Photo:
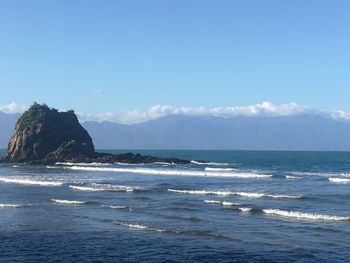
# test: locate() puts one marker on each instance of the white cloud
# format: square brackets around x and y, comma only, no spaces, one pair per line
[258,110]
[154,112]
[340,114]
[13,108]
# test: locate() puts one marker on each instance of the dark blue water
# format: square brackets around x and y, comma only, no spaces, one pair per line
[240,207]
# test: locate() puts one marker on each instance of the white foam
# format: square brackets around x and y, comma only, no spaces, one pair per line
[139,226]
[292,177]
[83,164]
[115,206]
[212,201]
[305,216]
[173,172]
[29,181]
[11,205]
[200,192]
[245,209]
[226,193]
[85,188]
[225,203]
[68,202]
[209,163]
[94,187]
[214,169]
[262,195]
[339,180]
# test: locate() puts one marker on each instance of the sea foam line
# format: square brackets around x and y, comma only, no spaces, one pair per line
[226,193]
[116,206]
[209,163]
[305,216]
[11,205]
[29,181]
[68,202]
[172,172]
[136,226]
[339,180]
[83,164]
[104,187]
[214,169]
[223,203]
[292,177]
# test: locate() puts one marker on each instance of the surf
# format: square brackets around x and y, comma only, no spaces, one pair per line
[173,172]
[304,216]
[29,181]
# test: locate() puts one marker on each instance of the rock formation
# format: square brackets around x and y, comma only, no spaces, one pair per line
[44,135]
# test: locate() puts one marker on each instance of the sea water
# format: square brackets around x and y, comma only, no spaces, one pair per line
[238,206]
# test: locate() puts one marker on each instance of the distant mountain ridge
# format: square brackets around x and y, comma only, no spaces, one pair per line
[7,126]
[301,132]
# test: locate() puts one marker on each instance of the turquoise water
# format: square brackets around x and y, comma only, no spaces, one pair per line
[241,206]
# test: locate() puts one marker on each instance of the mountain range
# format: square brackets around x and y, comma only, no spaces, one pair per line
[300,132]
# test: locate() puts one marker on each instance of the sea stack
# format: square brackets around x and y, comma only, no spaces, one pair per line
[45,135]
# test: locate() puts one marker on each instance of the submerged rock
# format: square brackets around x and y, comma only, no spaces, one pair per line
[44,135]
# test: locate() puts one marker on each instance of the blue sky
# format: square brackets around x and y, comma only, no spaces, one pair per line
[114,56]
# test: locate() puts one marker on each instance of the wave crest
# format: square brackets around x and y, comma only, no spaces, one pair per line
[68,202]
[94,187]
[226,193]
[305,216]
[26,181]
[339,180]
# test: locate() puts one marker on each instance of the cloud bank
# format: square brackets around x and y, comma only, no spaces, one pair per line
[265,109]
[13,108]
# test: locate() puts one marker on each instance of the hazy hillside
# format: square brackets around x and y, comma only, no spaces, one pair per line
[307,132]
[7,126]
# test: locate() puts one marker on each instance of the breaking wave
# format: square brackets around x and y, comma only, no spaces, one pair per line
[29,181]
[12,205]
[292,177]
[213,169]
[173,172]
[305,216]
[339,180]
[245,209]
[136,226]
[121,207]
[224,203]
[104,187]
[224,193]
[68,202]
[83,164]
[209,163]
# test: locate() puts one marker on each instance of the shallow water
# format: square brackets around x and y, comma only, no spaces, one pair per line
[239,207]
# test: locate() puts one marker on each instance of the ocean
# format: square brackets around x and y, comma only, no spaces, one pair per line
[239,206]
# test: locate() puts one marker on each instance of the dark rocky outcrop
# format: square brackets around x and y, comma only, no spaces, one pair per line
[44,135]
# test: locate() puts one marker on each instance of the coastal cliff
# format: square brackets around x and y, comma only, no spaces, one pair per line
[44,135]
